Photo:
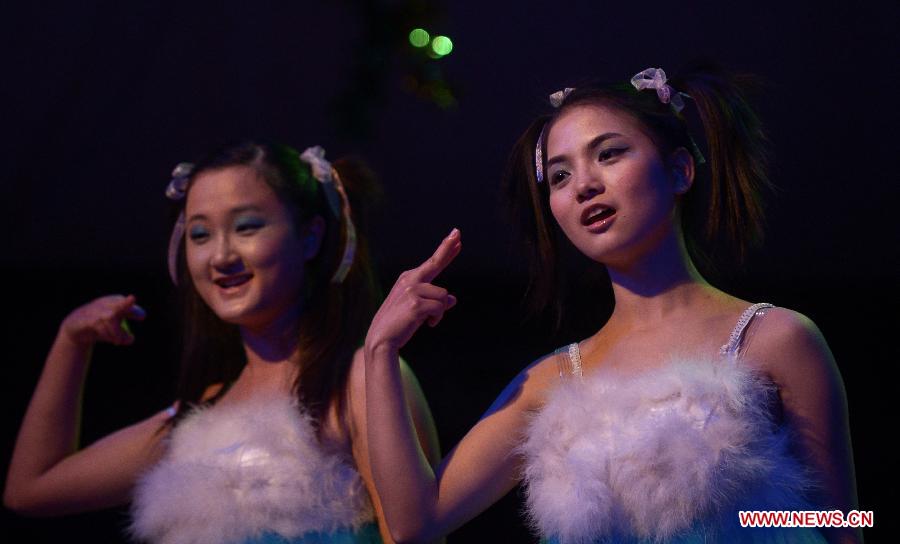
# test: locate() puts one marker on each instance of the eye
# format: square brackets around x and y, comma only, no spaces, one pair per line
[558,177]
[198,234]
[248,225]
[610,153]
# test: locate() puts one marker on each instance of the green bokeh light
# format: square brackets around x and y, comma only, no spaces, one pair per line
[419,37]
[441,45]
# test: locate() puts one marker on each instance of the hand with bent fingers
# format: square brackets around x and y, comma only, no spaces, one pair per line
[414,300]
[102,320]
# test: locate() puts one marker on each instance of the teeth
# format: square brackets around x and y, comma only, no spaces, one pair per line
[596,213]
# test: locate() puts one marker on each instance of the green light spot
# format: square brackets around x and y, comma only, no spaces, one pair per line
[441,45]
[419,37]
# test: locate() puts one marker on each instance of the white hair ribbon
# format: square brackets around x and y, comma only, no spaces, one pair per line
[655,78]
[175,190]
[557,98]
[337,201]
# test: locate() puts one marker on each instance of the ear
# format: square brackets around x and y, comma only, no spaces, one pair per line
[312,237]
[681,166]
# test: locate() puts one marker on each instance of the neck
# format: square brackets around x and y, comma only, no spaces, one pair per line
[272,350]
[656,285]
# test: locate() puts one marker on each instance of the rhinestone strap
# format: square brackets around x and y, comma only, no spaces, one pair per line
[568,361]
[575,357]
[734,341]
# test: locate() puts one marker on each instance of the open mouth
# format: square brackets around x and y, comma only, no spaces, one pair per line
[596,214]
[233,281]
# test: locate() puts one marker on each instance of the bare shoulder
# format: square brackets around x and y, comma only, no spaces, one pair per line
[211,391]
[544,372]
[789,347]
[784,332]
[528,389]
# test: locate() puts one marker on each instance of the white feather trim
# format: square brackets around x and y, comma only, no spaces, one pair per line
[235,472]
[649,456]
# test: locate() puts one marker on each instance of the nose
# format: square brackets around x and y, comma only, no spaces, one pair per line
[224,257]
[588,185]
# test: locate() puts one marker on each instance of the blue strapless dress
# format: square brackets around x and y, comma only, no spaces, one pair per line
[367,534]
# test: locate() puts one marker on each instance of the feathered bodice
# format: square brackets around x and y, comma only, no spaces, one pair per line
[671,454]
[236,472]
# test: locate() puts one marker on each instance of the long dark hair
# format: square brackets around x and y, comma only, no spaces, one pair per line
[722,213]
[335,315]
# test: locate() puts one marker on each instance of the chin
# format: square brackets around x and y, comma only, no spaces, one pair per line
[233,318]
[251,322]
[235,312]
[600,251]
[254,318]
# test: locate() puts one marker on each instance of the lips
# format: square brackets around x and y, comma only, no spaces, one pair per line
[596,215]
[236,280]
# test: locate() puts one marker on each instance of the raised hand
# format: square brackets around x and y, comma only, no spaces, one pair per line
[102,320]
[48,474]
[414,300]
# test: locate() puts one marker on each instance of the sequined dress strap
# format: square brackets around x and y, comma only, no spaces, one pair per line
[732,348]
[568,361]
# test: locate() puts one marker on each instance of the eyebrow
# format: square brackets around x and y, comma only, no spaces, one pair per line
[233,211]
[590,145]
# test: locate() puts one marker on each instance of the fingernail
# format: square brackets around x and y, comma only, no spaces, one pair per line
[453,233]
[451,301]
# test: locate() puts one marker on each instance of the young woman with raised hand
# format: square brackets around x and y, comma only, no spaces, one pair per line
[267,441]
[689,404]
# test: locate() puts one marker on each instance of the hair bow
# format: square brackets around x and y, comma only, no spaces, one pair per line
[557,98]
[178,185]
[655,78]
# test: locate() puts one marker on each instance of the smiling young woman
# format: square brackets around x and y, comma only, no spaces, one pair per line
[267,441]
[245,258]
[689,405]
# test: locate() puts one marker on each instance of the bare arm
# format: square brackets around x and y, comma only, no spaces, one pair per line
[423,428]
[797,358]
[421,504]
[47,473]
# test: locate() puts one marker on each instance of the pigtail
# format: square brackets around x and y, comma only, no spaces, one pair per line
[727,209]
[528,209]
[338,313]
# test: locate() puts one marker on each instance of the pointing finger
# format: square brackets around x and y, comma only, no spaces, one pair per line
[448,249]
[121,305]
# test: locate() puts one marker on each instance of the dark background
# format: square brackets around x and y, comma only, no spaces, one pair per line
[101,99]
